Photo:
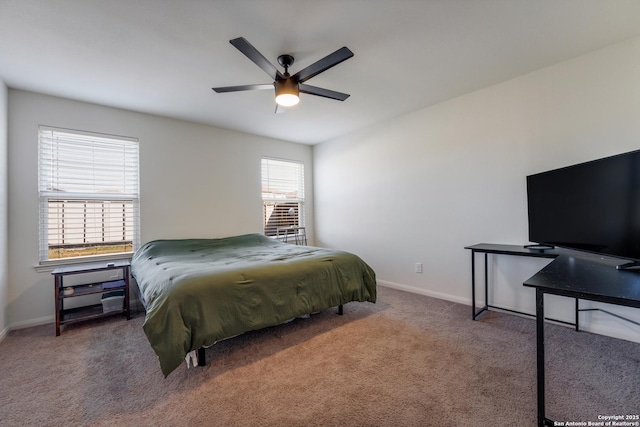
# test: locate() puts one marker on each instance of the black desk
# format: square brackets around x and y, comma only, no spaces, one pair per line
[488,248]
[588,277]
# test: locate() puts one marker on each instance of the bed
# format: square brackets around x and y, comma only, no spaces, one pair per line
[200,291]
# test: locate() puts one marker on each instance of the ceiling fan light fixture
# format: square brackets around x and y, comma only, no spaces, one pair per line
[287,87]
[287,93]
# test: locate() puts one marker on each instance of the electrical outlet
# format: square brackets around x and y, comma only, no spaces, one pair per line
[418,267]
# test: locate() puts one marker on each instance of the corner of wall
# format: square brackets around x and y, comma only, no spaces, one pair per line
[4,275]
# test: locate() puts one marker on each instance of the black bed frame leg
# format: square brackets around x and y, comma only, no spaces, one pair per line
[202,359]
[340,310]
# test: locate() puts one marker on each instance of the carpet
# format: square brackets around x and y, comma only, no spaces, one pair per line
[408,360]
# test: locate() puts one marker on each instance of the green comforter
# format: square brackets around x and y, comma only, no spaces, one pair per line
[199,291]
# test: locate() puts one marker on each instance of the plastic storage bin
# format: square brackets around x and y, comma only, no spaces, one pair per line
[112,301]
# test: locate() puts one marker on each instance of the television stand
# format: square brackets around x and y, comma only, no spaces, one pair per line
[568,275]
[514,250]
[579,278]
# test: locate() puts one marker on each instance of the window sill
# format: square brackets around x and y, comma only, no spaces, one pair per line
[50,265]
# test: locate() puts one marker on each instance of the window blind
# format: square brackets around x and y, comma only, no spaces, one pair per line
[88,187]
[282,194]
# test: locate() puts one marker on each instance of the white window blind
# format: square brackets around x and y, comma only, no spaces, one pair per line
[282,195]
[89,196]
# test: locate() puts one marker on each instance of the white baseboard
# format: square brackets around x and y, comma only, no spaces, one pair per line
[585,326]
[43,321]
[32,322]
[3,333]
[609,331]
[414,290]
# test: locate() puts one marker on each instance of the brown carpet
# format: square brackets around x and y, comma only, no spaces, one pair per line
[408,360]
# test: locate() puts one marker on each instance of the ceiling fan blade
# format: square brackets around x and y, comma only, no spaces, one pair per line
[243,87]
[326,93]
[252,53]
[324,64]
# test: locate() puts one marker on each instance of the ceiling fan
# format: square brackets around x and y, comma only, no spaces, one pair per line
[288,87]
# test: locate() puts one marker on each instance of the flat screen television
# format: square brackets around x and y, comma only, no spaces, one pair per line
[592,206]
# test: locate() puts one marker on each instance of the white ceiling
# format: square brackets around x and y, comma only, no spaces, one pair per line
[163,56]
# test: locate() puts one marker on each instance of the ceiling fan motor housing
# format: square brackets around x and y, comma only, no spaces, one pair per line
[287,91]
[287,86]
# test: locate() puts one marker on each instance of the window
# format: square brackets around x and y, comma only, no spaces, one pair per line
[282,195]
[89,196]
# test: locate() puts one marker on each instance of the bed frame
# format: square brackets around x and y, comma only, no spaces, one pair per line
[202,358]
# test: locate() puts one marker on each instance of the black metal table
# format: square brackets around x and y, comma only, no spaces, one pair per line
[588,277]
[490,248]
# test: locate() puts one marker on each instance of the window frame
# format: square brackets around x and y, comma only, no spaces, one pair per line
[48,173]
[299,215]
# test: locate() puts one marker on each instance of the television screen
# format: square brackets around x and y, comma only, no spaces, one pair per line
[592,206]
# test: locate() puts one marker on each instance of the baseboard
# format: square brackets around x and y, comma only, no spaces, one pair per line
[609,331]
[585,326]
[425,292]
[32,322]
[46,320]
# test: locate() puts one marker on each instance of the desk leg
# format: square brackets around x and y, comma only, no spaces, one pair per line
[127,303]
[56,296]
[473,285]
[474,313]
[540,355]
[486,280]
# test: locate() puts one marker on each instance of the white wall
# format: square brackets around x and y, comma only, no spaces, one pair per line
[196,181]
[4,284]
[421,187]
